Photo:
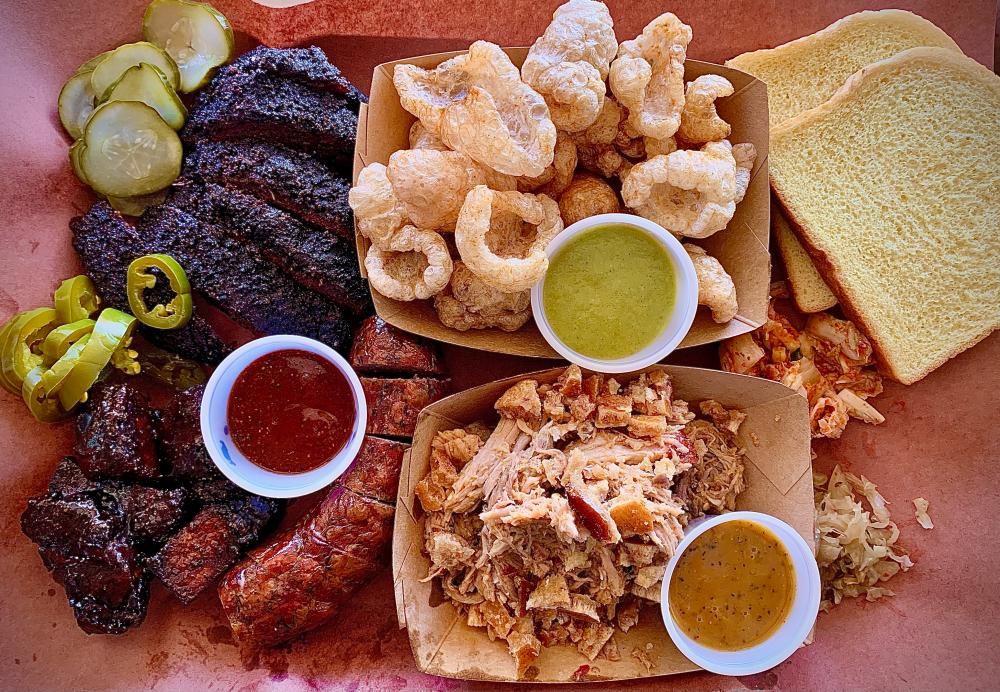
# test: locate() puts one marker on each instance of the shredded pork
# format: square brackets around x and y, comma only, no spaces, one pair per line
[559,525]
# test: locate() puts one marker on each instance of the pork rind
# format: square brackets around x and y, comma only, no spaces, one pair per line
[700,122]
[432,185]
[379,214]
[568,64]
[690,193]
[476,103]
[744,154]
[416,265]
[647,77]
[470,303]
[715,287]
[557,176]
[508,273]
[422,138]
[587,196]
[857,545]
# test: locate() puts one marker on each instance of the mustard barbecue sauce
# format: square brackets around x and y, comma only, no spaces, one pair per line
[733,587]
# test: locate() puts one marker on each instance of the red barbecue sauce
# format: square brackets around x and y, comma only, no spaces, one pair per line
[291,411]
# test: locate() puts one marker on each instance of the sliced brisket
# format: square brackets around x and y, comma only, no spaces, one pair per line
[106,245]
[237,278]
[314,257]
[246,104]
[281,176]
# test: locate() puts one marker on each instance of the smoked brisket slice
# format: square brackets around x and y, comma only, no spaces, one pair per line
[106,245]
[313,257]
[283,177]
[277,109]
[307,65]
[237,278]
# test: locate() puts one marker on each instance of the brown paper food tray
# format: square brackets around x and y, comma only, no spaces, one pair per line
[779,482]
[383,126]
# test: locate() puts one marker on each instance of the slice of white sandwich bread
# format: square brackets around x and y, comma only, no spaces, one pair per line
[893,184]
[809,291]
[805,72]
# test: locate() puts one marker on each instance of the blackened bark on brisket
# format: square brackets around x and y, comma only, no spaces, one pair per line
[281,176]
[106,245]
[277,109]
[307,65]
[313,257]
[237,278]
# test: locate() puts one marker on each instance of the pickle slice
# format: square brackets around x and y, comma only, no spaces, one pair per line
[134,206]
[110,70]
[93,62]
[74,160]
[145,83]
[197,36]
[76,102]
[129,151]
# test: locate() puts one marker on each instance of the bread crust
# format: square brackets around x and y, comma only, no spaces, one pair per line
[783,236]
[826,264]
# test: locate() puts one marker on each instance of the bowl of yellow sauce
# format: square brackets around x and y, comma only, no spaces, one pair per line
[620,293]
[741,593]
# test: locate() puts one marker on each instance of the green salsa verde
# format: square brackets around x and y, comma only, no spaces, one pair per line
[610,291]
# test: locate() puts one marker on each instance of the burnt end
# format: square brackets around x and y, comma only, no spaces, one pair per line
[278,109]
[197,555]
[279,175]
[181,444]
[152,514]
[68,480]
[381,348]
[106,245]
[250,516]
[394,404]
[85,544]
[219,489]
[307,65]
[298,581]
[240,281]
[313,257]
[115,435]
[375,471]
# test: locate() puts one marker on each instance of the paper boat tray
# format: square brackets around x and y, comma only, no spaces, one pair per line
[779,482]
[742,248]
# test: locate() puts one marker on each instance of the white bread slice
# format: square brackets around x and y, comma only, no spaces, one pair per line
[805,72]
[809,290]
[894,187]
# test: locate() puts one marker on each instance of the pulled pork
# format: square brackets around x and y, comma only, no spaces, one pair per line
[559,525]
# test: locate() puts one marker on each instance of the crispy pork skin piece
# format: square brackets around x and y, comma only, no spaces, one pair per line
[381,348]
[84,542]
[237,278]
[395,403]
[281,176]
[304,575]
[115,436]
[197,555]
[239,104]
[314,257]
[307,65]
[106,245]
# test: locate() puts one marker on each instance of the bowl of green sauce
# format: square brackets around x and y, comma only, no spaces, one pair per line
[620,293]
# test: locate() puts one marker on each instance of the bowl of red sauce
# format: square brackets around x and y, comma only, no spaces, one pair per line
[283,416]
